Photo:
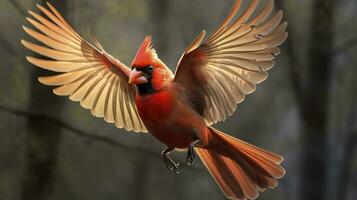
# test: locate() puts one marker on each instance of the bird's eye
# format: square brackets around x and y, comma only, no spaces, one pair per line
[150,68]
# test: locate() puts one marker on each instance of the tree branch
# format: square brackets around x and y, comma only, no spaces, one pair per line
[89,136]
[75,130]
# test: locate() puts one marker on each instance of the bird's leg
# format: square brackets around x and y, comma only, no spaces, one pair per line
[170,164]
[191,153]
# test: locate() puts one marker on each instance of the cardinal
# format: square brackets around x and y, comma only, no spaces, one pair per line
[214,74]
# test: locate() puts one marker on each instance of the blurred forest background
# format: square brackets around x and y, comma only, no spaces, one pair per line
[51,148]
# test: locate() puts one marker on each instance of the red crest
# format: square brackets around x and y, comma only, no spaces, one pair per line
[146,55]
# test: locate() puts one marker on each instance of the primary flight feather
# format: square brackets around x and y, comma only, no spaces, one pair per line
[212,77]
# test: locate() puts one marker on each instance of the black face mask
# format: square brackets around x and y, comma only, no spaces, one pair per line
[146,88]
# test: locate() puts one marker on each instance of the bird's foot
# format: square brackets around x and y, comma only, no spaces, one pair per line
[190,156]
[170,164]
[191,153]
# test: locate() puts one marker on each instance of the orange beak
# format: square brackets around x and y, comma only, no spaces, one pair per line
[137,77]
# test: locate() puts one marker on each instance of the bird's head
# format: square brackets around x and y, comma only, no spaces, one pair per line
[148,72]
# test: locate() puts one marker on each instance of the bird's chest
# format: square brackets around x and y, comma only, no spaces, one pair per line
[163,118]
[155,107]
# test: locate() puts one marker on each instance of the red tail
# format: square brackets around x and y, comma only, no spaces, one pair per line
[240,169]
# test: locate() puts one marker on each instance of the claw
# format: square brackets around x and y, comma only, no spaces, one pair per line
[170,164]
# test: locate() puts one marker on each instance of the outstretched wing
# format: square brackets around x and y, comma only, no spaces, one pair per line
[218,73]
[87,74]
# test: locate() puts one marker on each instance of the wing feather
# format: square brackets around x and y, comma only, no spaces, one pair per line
[97,102]
[232,61]
[87,75]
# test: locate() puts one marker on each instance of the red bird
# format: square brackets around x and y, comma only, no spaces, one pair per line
[212,77]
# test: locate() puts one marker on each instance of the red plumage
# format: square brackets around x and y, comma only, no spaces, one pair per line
[146,54]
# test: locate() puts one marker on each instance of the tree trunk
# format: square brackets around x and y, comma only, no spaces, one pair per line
[315,102]
[43,137]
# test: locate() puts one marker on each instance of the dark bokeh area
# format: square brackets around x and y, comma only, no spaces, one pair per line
[53,149]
